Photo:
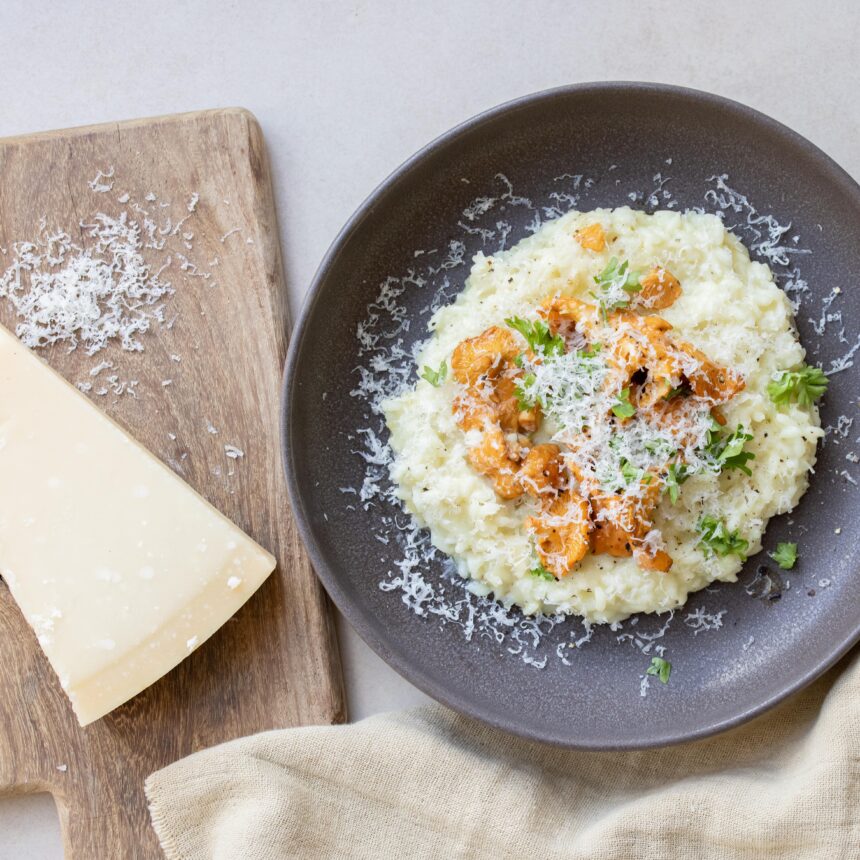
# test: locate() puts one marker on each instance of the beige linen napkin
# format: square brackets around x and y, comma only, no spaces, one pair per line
[428,783]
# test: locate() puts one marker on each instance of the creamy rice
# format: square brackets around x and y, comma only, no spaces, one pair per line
[730,308]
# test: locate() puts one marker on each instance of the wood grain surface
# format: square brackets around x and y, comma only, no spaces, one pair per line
[276,663]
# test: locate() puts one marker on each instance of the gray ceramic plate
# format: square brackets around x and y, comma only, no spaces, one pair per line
[488,182]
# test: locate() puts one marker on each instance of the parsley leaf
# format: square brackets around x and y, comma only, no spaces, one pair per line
[803,386]
[615,280]
[537,335]
[435,377]
[623,408]
[542,573]
[660,447]
[676,474]
[680,391]
[717,538]
[591,351]
[619,274]
[629,472]
[526,397]
[661,668]
[785,555]
[728,451]
[733,455]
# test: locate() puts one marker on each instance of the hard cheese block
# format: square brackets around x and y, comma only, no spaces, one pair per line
[121,568]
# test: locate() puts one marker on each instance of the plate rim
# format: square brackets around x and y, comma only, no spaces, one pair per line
[330,580]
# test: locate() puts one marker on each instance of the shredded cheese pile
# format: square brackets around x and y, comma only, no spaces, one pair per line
[98,288]
[88,295]
[572,388]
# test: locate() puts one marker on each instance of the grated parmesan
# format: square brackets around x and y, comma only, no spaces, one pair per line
[426,582]
[98,288]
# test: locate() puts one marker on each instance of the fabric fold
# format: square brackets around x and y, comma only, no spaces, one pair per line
[429,783]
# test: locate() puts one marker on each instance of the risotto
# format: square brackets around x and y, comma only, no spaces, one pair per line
[608,415]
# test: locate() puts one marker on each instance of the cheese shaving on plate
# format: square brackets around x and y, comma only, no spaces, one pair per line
[427,581]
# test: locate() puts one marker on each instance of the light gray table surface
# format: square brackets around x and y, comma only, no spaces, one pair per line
[345,91]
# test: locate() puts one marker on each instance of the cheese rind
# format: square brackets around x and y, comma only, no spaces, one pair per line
[119,566]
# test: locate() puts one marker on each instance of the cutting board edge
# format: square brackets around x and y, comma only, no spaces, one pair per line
[339,711]
[159,119]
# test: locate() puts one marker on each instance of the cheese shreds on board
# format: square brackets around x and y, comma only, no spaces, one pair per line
[115,562]
[62,292]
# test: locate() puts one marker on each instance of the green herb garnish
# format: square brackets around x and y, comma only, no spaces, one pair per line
[435,377]
[538,336]
[681,391]
[542,573]
[616,276]
[714,439]
[803,386]
[660,446]
[629,472]
[732,455]
[716,538]
[660,668]
[591,351]
[623,408]
[785,555]
[676,474]
[526,397]
[728,451]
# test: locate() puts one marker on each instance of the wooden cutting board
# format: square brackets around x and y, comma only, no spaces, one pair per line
[208,377]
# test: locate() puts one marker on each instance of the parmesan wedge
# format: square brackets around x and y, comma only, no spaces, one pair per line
[120,567]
